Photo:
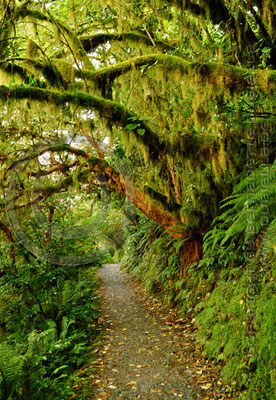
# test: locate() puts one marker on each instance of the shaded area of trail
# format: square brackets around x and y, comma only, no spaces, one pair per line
[143,357]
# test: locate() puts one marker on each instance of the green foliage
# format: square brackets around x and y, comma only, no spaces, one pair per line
[142,257]
[239,330]
[242,301]
[249,212]
[174,88]
[231,292]
[57,309]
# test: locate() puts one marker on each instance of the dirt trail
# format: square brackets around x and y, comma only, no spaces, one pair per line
[144,357]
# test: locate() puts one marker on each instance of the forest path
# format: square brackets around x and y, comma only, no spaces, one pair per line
[144,355]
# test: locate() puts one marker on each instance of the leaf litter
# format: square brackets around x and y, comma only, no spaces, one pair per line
[147,351]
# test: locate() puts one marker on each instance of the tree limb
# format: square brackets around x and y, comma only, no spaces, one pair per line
[91,42]
[110,110]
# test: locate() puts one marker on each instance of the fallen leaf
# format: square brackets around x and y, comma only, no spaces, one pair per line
[131,383]
[112,387]
[207,386]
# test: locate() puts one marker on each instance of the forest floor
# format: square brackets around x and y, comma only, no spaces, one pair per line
[147,352]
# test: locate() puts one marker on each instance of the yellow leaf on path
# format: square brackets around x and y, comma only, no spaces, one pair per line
[131,383]
[207,386]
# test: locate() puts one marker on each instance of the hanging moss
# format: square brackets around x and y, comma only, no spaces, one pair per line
[222,156]
[32,50]
[221,75]
[110,110]
[66,70]
[5,77]
[216,168]
[14,70]
[91,42]
[62,32]
[153,196]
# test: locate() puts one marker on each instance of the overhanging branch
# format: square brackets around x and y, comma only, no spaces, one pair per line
[91,42]
[116,182]
[110,110]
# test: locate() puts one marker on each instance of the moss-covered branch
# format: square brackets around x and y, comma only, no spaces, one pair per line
[56,168]
[161,200]
[12,68]
[33,65]
[91,42]
[110,110]
[70,37]
[116,181]
[220,75]
[219,13]
[36,152]
[215,73]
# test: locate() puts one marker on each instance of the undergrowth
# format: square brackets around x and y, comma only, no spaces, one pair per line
[230,292]
[48,326]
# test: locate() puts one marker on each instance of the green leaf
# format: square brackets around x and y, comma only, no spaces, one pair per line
[59,368]
[131,127]
[141,131]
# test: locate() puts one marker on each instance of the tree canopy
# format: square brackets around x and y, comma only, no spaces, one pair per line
[152,99]
[145,126]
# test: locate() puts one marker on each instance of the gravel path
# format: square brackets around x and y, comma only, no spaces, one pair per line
[142,357]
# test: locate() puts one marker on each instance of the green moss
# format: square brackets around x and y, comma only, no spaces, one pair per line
[161,200]
[72,40]
[113,112]
[91,42]
[221,75]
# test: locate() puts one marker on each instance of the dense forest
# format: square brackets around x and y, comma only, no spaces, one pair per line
[141,131]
